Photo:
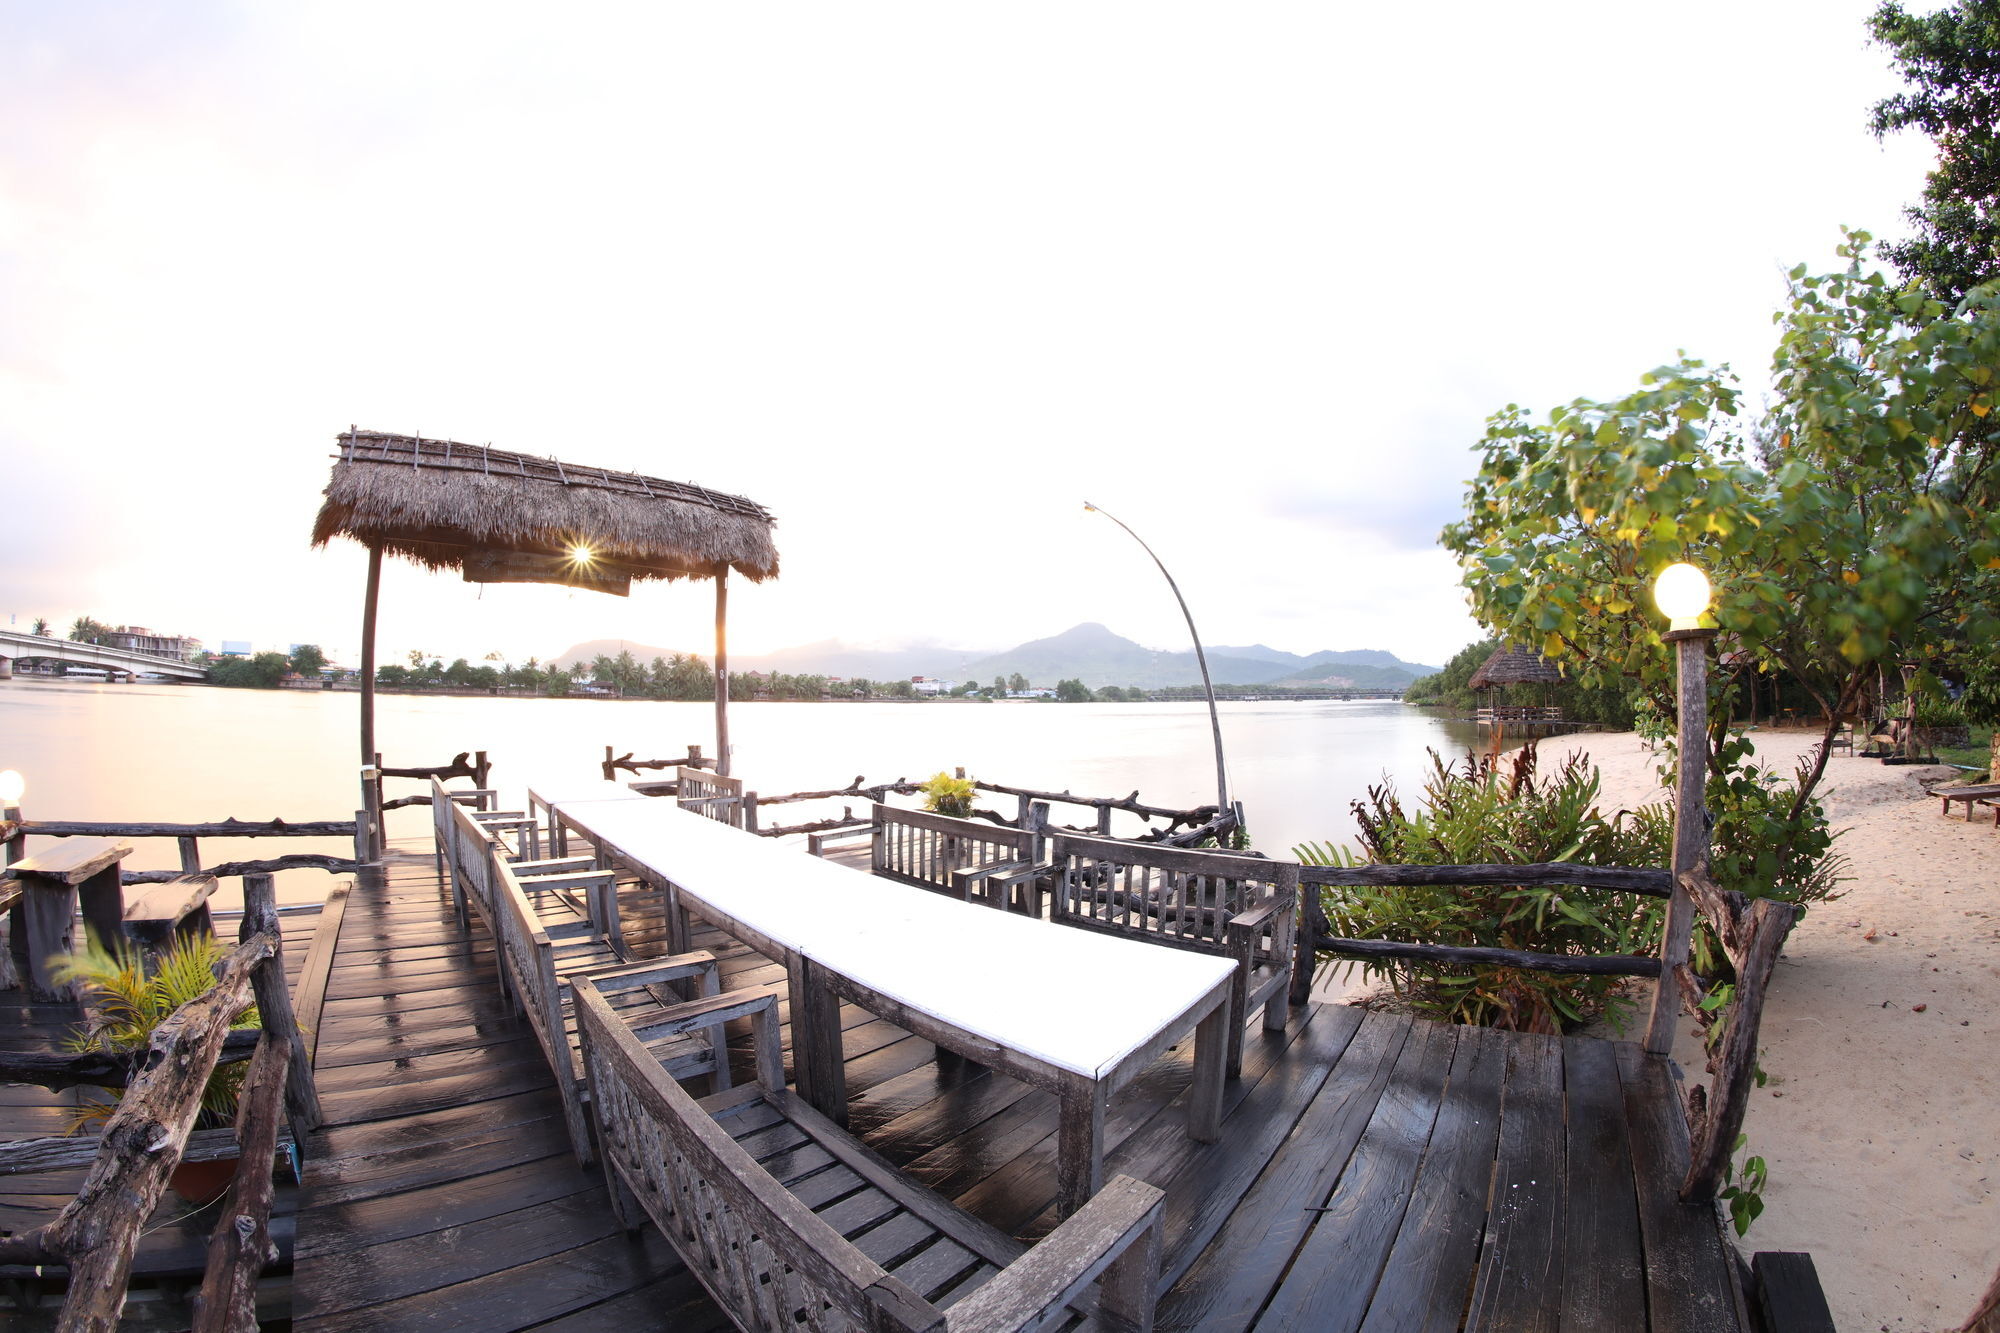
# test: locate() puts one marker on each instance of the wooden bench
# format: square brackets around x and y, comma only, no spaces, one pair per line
[771,1245]
[178,907]
[1989,794]
[966,858]
[720,798]
[532,959]
[1243,908]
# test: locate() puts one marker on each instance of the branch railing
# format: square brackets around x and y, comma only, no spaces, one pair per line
[1315,925]
[97,1233]
[189,836]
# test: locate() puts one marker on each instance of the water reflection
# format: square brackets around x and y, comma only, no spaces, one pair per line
[186,754]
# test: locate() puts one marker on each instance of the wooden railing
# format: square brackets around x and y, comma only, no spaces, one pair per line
[189,836]
[97,1233]
[1318,936]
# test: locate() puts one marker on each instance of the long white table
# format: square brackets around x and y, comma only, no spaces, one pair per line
[551,796]
[1072,1011]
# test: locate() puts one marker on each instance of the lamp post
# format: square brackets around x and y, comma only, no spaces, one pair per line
[1201,659]
[1682,593]
[13,847]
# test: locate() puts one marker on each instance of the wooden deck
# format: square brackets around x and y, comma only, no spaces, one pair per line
[1375,1173]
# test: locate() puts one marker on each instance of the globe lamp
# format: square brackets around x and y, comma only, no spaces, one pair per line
[1682,594]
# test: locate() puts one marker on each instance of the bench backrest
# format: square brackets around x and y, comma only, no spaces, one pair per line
[528,957]
[1166,894]
[710,794]
[468,851]
[766,1258]
[920,848]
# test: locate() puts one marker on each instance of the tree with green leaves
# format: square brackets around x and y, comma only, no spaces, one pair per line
[1017,682]
[1951,61]
[41,629]
[307,659]
[1072,692]
[86,630]
[1850,526]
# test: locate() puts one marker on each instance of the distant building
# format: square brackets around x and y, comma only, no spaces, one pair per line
[235,648]
[930,685]
[139,639]
[1034,692]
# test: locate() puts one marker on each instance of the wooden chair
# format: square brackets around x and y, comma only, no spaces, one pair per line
[769,1239]
[966,858]
[1241,907]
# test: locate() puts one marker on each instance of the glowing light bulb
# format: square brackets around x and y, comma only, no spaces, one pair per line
[12,784]
[1682,593]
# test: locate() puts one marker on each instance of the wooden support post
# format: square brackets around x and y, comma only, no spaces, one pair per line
[609,769]
[482,770]
[190,855]
[102,899]
[1690,828]
[750,812]
[369,602]
[722,670]
[371,838]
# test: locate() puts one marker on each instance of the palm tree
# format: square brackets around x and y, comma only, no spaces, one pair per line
[86,630]
[41,628]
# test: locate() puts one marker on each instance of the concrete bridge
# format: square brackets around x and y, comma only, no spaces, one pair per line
[118,661]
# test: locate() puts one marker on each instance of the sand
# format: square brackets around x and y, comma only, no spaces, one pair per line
[1881,1118]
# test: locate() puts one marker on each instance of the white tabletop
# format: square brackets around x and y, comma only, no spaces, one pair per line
[1073,998]
[562,791]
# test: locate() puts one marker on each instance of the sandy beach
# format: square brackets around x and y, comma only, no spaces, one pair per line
[1881,1118]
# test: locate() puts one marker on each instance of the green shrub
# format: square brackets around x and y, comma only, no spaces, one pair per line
[1478,812]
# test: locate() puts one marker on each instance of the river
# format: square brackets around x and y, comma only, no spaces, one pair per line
[185,754]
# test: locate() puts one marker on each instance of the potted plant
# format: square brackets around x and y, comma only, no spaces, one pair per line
[947,795]
[126,1004]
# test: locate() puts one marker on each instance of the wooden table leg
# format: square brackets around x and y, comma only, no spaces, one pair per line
[1211,1059]
[1080,1145]
[816,1056]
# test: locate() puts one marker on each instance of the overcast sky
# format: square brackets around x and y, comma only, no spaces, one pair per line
[921,278]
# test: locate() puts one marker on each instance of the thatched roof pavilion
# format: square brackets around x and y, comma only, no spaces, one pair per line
[501,517]
[1511,666]
[447,505]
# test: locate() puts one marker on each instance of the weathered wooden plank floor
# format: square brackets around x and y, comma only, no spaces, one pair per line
[1375,1173]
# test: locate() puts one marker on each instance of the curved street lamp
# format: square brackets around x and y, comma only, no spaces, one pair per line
[1201,659]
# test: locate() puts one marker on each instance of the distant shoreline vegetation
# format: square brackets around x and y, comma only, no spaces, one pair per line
[688,678]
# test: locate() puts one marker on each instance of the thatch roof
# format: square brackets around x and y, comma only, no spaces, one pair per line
[446,505]
[1510,666]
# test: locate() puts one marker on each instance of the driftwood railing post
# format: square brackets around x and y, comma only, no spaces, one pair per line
[274,1004]
[1690,829]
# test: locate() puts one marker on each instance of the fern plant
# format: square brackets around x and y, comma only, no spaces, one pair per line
[1482,812]
[129,1003]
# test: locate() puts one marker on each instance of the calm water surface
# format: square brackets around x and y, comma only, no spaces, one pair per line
[182,754]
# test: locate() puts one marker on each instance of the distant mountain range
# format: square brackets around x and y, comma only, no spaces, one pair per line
[1088,652]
